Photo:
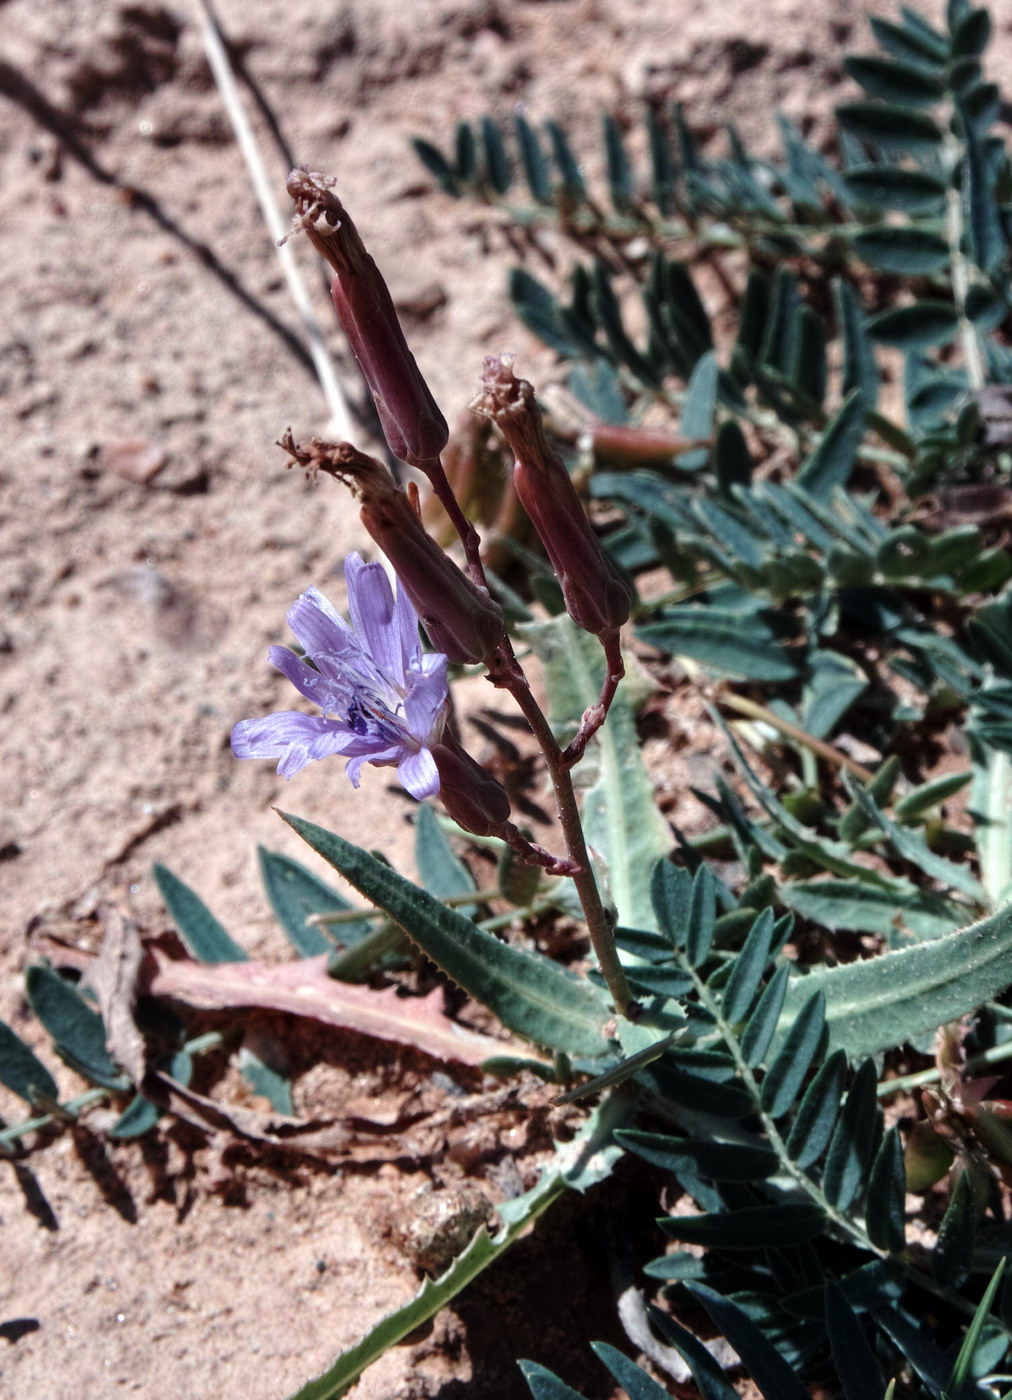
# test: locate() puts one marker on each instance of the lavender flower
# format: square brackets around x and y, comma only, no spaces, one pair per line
[384,701]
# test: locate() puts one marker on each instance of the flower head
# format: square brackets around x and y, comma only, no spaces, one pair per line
[383,700]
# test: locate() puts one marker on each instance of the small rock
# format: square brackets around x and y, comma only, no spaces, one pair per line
[135,459]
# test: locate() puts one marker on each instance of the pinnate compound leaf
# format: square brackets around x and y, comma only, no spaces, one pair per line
[295,894]
[203,935]
[752,1227]
[22,1071]
[857,1369]
[917,326]
[794,1059]
[78,1032]
[886,1196]
[635,1381]
[530,994]
[854,1141]
[776,1379]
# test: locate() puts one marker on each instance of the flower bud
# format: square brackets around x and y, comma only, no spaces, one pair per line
[473,798]
[461,620]
[412,423]
[596,597]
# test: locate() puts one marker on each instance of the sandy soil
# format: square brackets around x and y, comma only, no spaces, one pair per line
[151,543]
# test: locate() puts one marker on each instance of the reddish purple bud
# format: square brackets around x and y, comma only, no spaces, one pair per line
[412,423]
[473,798]
[461,620]
[596,597]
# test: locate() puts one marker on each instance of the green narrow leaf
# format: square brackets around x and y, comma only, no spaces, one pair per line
[695,1092]
[608,313]
[854,1140]
[440,871]
[762,1024]
[748,969]
[530,994]
[295,894]
[857,1370]
[702,915]
[22,1071]
[436,164]
[566,163]
[706,1372]
[860,372]
[544,1384]
[834,682]
[980,205]
[909,84]
[883,1213]
[532,158]
[953,1254]
[908,191]
[732,461]
[833,460]
[620,176]
[620,816]
[914,44]
[890,126]
[465,154]
[138,1118]
[204,936]
[963,1367]
[972,34]
[754,314]
[816,1117]
[780,342]
[78,1032]
[914,1344]
[266,1080]
[845,904]
[774,1376]
[930,794]
[718,1161]
[751,1227]
[723,641]
[698,410]
[911,252]
[811,373]
[540,313]
[912,846]
[663,175]
[794,1059]
[637,1384]
[496,161]
[917,326]
[671,891]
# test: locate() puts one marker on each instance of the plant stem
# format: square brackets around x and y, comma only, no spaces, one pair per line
[996,1055]
[751,710]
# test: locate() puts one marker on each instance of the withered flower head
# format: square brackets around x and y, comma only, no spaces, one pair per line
[462,621]
[596,597]
[412,423]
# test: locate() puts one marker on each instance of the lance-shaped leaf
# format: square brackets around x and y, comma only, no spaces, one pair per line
[836,904]
[752,1227]
[296,894]
[749,966]
[775,1377]
[909,191]
[22,1071]
[441,872]
[634,1381]
[886,1195]
[910,252]
[203,935]
[953,1254]
[725,642]
[917,326]
[530,994]
[78,1032]
[856,1367]
[855,1140]
[719,1161]
[546,1385]
[787,1072]
[833,460]
[890,126]
[909,84]
[816,1117]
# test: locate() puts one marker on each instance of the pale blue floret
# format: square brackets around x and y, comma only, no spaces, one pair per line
[383,700]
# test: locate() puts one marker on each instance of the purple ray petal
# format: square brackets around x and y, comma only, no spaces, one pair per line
[418,775]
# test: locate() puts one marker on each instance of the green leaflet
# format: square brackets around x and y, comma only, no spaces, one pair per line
[530,994]
[22,1071]
[885,1001]
[203,935]
[582,1163]
[620,819]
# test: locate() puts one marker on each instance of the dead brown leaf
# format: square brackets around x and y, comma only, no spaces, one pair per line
[304,988]
[113,976]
